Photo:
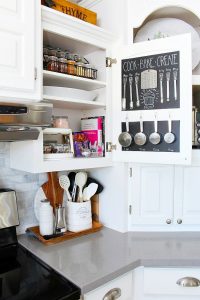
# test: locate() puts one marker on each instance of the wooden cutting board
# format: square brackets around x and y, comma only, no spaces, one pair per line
[53,190]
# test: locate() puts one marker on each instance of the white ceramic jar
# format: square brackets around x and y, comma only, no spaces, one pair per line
[79,216]
[46,218]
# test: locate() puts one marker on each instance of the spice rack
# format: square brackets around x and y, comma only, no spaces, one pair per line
[62,61]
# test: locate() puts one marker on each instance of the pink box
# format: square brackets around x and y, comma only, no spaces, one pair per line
[93,127]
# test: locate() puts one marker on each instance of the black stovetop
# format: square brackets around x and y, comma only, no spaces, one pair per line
[25,277]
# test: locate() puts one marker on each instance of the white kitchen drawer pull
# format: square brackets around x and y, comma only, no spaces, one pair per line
[188,282]
[112,294]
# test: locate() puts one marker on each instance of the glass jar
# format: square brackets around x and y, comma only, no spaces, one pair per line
[45,57]
[76,57]
[52,64]
[71,70]
[66,53]
[61,122]
[60,53]
[80,69]
[62,65]
[94,73]
[52,52]
[88,71]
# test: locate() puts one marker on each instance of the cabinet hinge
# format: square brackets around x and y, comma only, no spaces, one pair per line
[130,172]
[110,147]
[130,209]
[110,61]
[35,73]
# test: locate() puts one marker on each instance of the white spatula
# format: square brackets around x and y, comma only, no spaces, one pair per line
[89,191]
[80,180]
[65,184]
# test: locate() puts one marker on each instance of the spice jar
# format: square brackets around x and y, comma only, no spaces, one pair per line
[62,65]
[52,64]
[88,71]
[60,53]
[94,73]
[80,69]
[60,122]
[52,52]
[71,67]
[45,57]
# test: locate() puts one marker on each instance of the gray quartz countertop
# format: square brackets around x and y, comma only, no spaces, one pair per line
[93,260]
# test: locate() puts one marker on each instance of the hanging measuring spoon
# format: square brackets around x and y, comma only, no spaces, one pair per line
[155,137]
[169,137]
[125,138]
[140,138]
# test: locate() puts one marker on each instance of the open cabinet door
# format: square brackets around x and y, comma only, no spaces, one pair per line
[152,101]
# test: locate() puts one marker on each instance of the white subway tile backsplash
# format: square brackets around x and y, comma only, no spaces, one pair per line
[25,184]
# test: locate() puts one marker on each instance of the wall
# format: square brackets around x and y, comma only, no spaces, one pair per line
[25,185]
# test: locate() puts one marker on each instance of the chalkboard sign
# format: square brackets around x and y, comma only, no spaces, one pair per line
[151,82]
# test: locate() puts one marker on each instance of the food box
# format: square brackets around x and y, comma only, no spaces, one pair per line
[73,10]
[93,128]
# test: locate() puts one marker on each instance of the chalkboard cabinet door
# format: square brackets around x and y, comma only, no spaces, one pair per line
[152,92]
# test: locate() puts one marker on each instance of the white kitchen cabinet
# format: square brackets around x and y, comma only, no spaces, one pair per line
[162,283]
[138,13]
[94,43]
[186,202]
[58,34]
[119,288]
[164,198]
[146,57]
[20,51]
[151,195]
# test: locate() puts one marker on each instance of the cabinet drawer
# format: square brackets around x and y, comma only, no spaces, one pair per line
[162,281]
[124,283]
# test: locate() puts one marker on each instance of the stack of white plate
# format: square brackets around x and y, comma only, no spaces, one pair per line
[165,27]
[69,93]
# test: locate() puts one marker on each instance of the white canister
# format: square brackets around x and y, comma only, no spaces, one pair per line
[79,216]
[46,218]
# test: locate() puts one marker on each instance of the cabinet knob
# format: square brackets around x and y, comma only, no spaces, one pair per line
[168,221]
[188,282]
[179,221]
[112,294]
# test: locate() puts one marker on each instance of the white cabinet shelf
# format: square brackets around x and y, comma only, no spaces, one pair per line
[65,80]
[30,158]
[75,164]
[67,103]
[64,25]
